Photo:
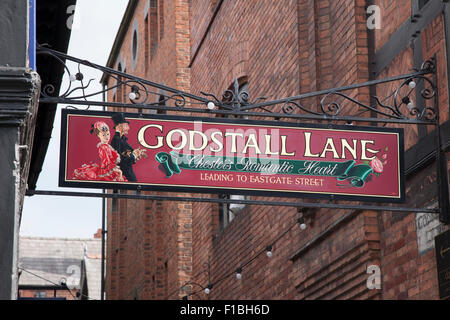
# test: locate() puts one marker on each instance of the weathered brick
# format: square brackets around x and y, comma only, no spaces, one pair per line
[281,49]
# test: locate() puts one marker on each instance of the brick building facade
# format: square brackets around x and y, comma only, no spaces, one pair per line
[277,49]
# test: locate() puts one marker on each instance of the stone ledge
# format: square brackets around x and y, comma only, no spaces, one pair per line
[19,93]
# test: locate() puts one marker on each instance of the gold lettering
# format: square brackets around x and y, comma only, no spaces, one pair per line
[283,147]
[233,140]
[345,145]
[254,144]
[192,140]
[141,136]
[268,146]
[329,147]
[308,146]
[183,139]
[364,148]
[216,141]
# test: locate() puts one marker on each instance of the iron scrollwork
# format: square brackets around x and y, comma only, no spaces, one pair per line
[398,106]
[234,99]
[334,104]
[411,99]
[141,93]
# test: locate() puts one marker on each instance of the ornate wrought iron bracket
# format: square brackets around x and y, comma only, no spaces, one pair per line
[337,104]
[340,104]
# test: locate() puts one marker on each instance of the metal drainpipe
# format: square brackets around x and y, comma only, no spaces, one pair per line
[102,296]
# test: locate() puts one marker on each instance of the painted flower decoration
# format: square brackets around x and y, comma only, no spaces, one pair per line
[100,125]
[377,165]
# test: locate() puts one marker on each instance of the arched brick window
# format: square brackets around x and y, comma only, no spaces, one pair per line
[227,212]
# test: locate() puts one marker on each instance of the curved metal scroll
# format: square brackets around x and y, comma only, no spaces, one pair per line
[335,104]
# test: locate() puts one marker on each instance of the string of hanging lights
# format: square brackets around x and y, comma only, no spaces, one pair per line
[238,272]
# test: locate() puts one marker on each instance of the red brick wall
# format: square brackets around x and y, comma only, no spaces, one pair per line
[333,258]
[301,51]
[407,273]
[239,42]
[148,243]
[329,260]
[281,49]
[433,38]
[393,15]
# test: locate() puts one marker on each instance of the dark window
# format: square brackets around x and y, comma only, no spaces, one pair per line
[40,294]
[146,44]
[119,93]
[161,19]
[153,27]
[124,91]
[135,44]
[162,102]
[166,279]
[153,287]
[223,212]
[135,294]
[228,211]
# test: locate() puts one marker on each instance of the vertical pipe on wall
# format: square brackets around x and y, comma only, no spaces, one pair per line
[32,35]
[371,67]
[417,47]
[102,293]
[441,164]
[444,202]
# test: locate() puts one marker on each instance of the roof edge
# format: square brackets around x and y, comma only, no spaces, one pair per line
[57,238]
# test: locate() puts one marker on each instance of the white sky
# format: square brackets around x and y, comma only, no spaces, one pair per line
[95,26]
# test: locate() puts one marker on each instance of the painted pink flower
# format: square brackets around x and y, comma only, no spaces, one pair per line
[377,165]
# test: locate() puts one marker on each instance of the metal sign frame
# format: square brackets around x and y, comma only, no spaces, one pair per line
[335,105]
[163,183]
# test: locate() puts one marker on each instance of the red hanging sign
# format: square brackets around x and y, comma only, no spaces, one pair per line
[216,155]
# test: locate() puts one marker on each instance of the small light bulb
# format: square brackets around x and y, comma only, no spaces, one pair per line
[211,105]
[410,105]
[72,78]
[207,291]
[412,84]
[132,95]
[269,251]
[301,222]
[239,273]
